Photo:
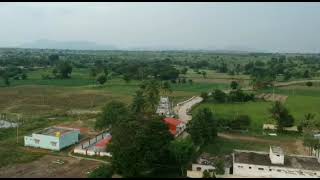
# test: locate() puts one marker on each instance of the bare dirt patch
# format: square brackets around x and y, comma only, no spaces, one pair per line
[47,167]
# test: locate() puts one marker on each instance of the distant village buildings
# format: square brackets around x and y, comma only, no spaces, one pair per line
[275,164]
[165,107]
[259,164]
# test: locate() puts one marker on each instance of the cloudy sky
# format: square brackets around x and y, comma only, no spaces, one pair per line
[280,27]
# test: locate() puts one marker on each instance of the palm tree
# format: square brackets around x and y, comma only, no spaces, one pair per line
[138,104]
[166,88]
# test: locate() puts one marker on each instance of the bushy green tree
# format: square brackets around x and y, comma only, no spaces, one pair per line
[101,79]
[104,171]
[112,113]
[140,145]
[202,127]
[182,151]
[281,114]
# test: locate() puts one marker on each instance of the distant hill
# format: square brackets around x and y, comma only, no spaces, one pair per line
[72,45]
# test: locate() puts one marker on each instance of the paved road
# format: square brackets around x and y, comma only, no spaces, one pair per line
[183,108]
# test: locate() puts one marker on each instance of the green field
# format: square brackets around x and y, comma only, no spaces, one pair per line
[300,102]
[219,146]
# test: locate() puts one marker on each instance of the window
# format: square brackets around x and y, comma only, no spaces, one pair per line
[240,166]
[249,167]
[278,170]
[37,141]
[270,169]
[54,144]
[278,155]
[198,168]
[261,169]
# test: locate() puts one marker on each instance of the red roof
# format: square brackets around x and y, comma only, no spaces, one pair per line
[172,121]
[104,142]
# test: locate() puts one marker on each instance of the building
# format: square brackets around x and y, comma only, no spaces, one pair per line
[96,146]
[176,126]
[275,164]
[102,145]
[53,138]
[206,162]
[164,108]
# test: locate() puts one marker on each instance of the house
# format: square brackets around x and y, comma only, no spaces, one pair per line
[176,126]
[53,138]
[96,146]
[102,145]
[206,162]
[273,127]
[164,108]
[275,164]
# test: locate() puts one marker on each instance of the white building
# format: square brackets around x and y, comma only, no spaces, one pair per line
[164,107]
[274,164]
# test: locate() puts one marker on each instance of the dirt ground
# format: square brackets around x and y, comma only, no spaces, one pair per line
[46,168]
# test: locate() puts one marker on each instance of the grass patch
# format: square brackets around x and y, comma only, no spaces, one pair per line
[221,146]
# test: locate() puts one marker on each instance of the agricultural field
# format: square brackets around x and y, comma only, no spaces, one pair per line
[301,100]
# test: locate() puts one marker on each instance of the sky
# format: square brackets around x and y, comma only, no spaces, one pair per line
[271,27]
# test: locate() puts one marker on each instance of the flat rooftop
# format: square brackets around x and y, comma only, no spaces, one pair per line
[277,150]
[52,131]
[290,161]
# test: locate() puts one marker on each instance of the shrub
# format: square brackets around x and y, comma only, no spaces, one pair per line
[104,171]
[309,83]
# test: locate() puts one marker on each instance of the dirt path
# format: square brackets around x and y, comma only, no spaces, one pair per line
[46,167]
[244,138]
[183,108]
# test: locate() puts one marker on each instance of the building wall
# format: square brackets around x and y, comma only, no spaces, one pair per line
[52,142]
[69,139]
[45,142]
[241,169]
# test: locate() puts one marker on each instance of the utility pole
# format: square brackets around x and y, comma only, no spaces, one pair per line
[17,124]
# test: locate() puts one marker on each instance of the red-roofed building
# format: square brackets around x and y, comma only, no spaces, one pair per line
[176,126]
[103,144]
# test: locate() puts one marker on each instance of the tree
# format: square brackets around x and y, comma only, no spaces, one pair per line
[24,76]
[126,78]
[309,83]
[104,171]
[182,151]
[184,70]
[151,92]
[241,122]
[204,96]
[219,167]
[101,79]
[140,145]
[138,103]
[307,123]
[64,69]
[306,74]
[112,113]
[281,115]
[53,59]
[93,72]
[204,74]
[219,96]
[234,85]
[202,127]
[206,174]
[166,88]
